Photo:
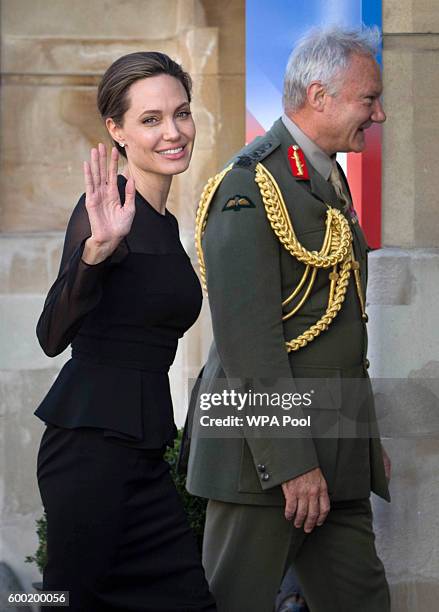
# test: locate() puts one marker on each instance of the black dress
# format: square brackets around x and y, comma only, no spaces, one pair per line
[118,537]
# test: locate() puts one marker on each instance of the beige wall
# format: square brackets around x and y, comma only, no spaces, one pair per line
[50,69]
[403,298]
[411,133]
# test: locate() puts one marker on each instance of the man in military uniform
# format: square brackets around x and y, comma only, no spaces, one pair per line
[285,263]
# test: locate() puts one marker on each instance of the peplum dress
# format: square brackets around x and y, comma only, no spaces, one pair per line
[118,537]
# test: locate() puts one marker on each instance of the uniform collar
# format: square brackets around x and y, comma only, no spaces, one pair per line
[320,160]
[320,187]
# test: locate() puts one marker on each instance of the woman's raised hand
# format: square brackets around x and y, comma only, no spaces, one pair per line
[109,220]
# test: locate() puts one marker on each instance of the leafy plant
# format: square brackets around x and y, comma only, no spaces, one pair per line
[40,556]
[195,507]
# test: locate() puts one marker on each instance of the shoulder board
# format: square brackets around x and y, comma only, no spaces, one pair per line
[255,152]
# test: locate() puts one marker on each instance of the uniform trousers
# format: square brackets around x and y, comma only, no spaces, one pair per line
[118,537]
[247,550]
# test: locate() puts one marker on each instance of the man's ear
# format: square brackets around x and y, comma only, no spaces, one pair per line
[115,131]
[316,95]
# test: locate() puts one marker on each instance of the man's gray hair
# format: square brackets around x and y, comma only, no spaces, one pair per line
[320,56]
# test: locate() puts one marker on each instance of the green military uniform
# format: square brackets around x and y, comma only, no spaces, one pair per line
[250,273]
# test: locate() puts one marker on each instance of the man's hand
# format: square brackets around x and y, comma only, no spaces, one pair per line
[307,497]
[387,464]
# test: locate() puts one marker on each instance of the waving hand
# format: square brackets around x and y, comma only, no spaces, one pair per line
[109,220]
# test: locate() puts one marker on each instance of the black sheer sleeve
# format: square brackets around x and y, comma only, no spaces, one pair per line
[77,289]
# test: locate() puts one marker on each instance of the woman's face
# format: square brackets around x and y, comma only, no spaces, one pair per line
[158,130]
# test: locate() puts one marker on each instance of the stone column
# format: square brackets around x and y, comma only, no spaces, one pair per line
[403,297]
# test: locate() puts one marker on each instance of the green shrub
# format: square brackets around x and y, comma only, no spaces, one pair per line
[40,557]
[195,507]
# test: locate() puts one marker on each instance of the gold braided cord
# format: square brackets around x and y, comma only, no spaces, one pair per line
[201,218]
[298,288]
[331,312]
[333,276]
[280,222]
[323,251]
[356,269]
[336,250]
[305,296]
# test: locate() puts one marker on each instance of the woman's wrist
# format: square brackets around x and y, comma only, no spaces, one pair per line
[96,252]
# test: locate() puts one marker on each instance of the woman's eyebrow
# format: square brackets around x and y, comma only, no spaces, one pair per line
[156,111]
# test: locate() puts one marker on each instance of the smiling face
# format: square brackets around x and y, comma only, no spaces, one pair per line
[355,106]
[157,129]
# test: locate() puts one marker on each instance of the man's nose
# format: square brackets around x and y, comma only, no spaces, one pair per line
[378,115]
[171,131]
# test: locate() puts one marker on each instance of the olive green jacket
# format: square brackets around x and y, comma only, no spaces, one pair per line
[249,274]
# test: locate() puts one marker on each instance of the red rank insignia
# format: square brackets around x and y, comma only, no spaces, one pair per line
[298,163]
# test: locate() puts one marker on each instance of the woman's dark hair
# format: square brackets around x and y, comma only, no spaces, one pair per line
[113,89]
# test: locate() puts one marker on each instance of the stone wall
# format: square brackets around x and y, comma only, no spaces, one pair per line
[411,98]
[50,68]
[403,297]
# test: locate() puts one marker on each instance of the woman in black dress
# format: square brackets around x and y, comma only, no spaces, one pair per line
[118,538]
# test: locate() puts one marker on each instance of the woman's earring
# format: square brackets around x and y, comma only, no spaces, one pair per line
[121,144]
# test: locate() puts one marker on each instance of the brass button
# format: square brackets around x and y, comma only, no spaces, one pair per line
[365,317]
[366,364]
[265,476]
[261,468]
